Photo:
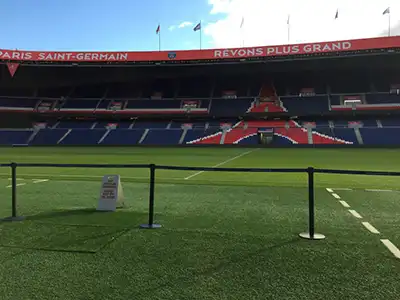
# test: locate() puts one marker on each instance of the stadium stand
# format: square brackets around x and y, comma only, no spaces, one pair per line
[296,102]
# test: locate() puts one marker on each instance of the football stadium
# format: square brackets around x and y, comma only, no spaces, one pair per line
[248,173]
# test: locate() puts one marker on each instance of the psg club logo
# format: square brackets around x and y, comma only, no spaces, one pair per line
[172,55]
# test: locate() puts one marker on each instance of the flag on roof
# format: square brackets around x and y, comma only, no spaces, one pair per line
[387,11]
[198,27]
[288,20]
[337,14]
[158,29]
[242,23]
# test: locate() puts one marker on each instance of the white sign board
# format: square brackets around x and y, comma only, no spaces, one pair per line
[111,194]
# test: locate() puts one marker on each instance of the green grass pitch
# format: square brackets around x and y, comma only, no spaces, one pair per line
[224,235]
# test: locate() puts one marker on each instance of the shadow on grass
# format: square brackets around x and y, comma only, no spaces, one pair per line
[250,255]
[90,217]
[87,244]
[77,230]
[64,213]
[235,259]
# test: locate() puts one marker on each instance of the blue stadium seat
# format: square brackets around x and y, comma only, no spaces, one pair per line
[250,140]
[48,136]
[75,125]
[80,104]
[382,98]
[380,136]
[163,137]
[120,125]
[306,105]
[279,140]
[153,104]
[341,123]
[390,122]
[14,137]
[150,125]
[18,102]
[83,137]
[371,123]
[347,134]
[322,123]
[229,107]
[123,137]
[192,135]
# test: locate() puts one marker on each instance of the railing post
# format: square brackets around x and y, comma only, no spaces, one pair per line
[14,214]
[311,235]
[150,224]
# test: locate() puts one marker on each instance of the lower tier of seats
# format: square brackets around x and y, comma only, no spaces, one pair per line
[175,136]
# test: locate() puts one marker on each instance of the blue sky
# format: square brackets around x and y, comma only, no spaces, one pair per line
[100,24]
[130,25]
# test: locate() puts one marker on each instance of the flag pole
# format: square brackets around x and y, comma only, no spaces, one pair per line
[242,31]
[288,29]
[389,26]
[201,29]
[159,40]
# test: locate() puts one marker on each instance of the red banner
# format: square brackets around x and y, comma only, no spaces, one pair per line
[282,50]
[12,68]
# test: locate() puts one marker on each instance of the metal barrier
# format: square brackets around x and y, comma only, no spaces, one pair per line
[311,234]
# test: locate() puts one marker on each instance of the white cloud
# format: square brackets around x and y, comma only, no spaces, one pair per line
[185,24]
[310,21]
[180,26]
[219,6]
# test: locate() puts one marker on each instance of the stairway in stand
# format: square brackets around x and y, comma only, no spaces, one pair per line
[269,102]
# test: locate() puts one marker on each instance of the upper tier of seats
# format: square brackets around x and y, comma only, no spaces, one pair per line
[18,102]
[382,98]
[222,107]
[306,105]
[229,107]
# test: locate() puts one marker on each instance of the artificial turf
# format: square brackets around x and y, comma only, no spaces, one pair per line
[224,235]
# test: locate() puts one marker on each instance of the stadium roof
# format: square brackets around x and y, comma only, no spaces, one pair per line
[386,43]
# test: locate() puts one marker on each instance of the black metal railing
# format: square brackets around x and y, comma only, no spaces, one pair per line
[310,171]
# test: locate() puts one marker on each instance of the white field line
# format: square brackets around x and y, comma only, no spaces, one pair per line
[343,189]
[329,190]
[336,196]
[16,178]
[39,180]
[370,227]
[18,184]
[392,248]
[33,181]
[377,190]
[344,203]
[222,163]
[355,214]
